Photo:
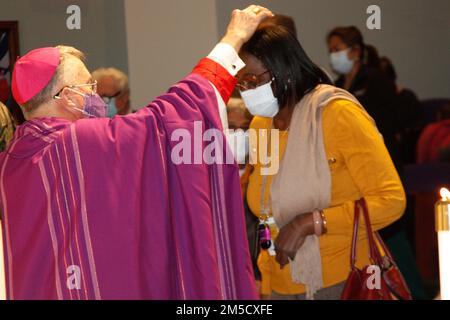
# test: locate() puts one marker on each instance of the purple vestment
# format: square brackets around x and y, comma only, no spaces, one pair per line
[96,209]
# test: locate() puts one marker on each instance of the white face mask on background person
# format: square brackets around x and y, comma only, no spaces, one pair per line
[239,144]
[261,101]
[340,62]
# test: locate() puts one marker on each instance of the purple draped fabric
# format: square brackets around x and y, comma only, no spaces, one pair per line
[96,209]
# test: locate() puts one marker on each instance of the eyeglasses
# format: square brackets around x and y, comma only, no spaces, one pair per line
[251,81]
[76,86]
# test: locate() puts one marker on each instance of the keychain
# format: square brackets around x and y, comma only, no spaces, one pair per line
[267,226]
[265,238]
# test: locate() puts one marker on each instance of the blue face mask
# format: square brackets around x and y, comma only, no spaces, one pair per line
[340,62]
[112,108]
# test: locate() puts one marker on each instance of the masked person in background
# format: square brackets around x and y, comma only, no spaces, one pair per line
[331,155]
[150,228]
[238,123]
[359,72]
[434,141]
[113,87]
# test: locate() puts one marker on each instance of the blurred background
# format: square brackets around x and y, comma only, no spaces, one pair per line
[156,42]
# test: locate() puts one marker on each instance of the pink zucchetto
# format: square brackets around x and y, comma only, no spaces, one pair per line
[33,72]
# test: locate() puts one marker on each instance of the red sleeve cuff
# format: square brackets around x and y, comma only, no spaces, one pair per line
[218,76]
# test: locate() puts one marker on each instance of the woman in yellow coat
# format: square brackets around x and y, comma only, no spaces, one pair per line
[324,152]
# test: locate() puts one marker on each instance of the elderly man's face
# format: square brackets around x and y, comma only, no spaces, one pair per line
[108,87]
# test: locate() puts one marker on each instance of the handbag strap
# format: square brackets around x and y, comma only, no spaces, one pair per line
[354,238]
[383,246]
[374,253]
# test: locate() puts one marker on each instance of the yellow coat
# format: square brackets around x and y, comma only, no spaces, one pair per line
[360,167]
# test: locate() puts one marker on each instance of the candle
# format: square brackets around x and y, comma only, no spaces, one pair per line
[442,211]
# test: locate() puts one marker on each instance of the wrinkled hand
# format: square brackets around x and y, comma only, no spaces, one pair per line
[243,25]
[292,236]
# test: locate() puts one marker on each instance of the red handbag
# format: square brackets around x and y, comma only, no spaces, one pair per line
[360,284]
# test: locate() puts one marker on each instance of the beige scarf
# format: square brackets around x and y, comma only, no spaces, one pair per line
[303,183]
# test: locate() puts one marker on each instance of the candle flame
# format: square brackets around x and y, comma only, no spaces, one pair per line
[445,194]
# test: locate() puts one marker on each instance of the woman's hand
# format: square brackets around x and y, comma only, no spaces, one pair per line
[243,25]
[292,236]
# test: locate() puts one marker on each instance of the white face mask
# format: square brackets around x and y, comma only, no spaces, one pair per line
[261,101]
[239,143]
[340,61]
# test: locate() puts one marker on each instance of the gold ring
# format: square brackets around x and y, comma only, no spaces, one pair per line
[257,10]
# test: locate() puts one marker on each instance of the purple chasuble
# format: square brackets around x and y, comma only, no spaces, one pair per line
[96,209]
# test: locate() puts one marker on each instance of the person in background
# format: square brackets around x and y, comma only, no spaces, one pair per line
[358,67]
[238,123]
[113,87]
[409,115]
[434,141]
[16,111]
[7,127]
[433,147]
[331,154]
[399,235]
[360,72]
